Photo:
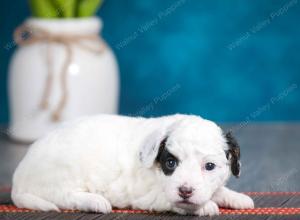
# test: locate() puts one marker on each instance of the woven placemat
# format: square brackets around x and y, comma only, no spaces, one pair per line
[269,205]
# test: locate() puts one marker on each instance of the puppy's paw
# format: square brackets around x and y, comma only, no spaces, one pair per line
[179,211]
[90,202]
[241,201]
[99,205]
[210,208]
[227,198]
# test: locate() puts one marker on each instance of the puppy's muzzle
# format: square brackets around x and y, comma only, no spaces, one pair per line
[185,192]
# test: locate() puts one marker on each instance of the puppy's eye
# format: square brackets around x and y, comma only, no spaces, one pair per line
[171,163]
[210,166]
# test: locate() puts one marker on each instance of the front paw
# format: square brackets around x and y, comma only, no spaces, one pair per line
[210,208]
[242,201]
[179,211]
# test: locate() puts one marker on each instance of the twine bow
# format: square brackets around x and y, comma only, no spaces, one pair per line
[25,35]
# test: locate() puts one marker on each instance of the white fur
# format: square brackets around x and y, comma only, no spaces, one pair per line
[102,161]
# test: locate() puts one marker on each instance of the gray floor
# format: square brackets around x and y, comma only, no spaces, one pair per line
[270,157]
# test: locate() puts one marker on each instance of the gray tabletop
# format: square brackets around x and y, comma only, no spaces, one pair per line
[270,156]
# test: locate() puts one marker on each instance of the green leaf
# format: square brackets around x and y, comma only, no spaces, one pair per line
[43,9]
[87,8]
[66,8]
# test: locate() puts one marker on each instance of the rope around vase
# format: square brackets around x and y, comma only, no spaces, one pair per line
[36,35]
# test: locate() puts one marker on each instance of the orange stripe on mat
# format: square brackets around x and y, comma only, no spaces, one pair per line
[261,211]
[272,193]
[8,189]
[5,189]
[256,211]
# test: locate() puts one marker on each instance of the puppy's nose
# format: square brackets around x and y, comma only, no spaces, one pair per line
[185,192]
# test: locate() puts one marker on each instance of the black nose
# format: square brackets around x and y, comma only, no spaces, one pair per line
[185,192]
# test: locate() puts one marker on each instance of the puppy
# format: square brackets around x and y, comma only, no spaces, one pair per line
[176,163]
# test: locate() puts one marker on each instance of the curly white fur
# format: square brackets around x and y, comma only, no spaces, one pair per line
[102,161]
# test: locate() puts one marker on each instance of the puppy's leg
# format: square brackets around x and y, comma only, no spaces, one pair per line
[210,208]
[30,201]
[88,202]
[227,198]
[179,211]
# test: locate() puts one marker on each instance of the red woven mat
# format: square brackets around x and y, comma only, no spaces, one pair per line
[267,203]
[256,211]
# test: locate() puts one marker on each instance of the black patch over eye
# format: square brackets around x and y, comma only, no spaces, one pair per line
[167,161]
[210,166]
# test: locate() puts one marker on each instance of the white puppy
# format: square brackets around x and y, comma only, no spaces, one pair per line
[174,163]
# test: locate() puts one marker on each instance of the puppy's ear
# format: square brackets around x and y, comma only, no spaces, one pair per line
[233,154]
[150,149]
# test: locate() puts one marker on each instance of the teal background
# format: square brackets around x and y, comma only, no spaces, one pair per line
[224,60]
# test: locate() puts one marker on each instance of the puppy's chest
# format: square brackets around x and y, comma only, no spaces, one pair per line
[132,190]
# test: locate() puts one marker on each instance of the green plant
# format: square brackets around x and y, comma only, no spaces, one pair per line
[64,8]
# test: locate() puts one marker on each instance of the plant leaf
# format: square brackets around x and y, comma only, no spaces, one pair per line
[66,8]
[87,7]
[43,9]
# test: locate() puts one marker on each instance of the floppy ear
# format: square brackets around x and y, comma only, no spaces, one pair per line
[233,154]
[150,149]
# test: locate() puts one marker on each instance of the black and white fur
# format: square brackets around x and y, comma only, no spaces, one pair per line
[177,163]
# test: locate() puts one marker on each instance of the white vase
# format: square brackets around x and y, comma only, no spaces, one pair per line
[92,79]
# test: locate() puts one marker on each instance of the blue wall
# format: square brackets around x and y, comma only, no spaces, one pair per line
[227,61]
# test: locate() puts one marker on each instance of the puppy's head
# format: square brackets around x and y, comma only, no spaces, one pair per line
[192,159]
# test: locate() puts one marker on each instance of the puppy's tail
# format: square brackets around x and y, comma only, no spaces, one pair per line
[30,201]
